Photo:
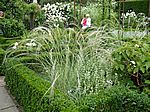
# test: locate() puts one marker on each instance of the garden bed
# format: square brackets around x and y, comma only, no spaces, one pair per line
[32,93]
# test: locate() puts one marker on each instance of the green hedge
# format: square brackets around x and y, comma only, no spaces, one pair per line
[140,6]
[2,52]
[116,99]
[28,89]
[12,27]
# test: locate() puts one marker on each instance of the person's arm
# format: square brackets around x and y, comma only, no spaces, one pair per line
[1,17]
[82,22]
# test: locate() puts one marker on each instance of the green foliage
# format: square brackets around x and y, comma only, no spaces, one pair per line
[12,24]
[133,58]
[139,6]
[64,54]
[32,93]
[2,53]
[32,8]
[18,12]
[12,27]
[13,9]
[115,99]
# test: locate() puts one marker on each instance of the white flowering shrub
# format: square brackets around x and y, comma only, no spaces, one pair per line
[133,20]
[58,14]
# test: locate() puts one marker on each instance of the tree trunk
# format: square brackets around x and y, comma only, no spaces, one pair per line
[103,8]
[74,11]
[149,9]
[32,17]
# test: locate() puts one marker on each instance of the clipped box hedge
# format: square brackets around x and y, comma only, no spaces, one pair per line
[2,53]
[28,89]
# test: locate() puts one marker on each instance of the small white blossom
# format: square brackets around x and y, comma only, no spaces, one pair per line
[33,44]
[29,44]
[16,43]
[133,62]
[109,82]
[14,47]
[136,45]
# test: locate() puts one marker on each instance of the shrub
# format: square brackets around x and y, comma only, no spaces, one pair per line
[29,89]
[12,27]
[132,60]
[115,99]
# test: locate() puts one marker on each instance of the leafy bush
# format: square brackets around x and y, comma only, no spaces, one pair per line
[25,14]
[115,99]
[133,56]
[14,9]
[12,27]
[133,60]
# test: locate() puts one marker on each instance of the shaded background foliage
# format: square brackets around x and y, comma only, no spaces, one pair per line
[137,6]
[20,12]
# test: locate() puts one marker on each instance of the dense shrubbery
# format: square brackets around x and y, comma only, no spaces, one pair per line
[132,60]
[12,27]
[29,90]
[19,16]
[139,6]
[115,99]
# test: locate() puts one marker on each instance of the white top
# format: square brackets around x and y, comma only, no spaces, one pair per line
[35,1]
[88,23]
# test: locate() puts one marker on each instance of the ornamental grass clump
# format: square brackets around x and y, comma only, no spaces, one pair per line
[75,62]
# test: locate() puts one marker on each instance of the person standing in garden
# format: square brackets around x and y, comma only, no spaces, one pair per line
[86,22]
[83,22]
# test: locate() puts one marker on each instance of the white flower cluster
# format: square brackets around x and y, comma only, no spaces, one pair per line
[128,14]
[31,43]
[133,19]
[56,13]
